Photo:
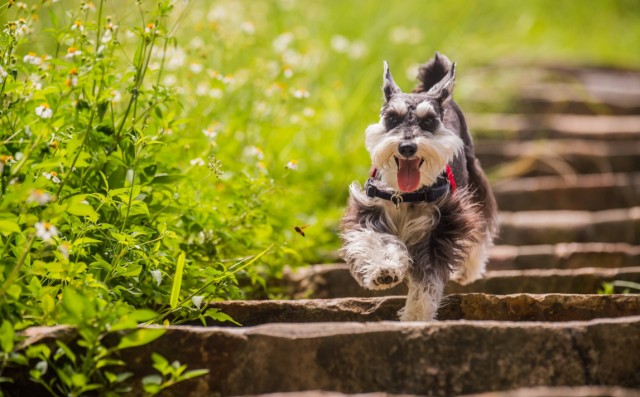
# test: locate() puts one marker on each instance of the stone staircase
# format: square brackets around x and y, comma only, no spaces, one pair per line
[569,192]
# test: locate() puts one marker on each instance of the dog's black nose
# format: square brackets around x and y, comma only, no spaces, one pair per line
[407,149]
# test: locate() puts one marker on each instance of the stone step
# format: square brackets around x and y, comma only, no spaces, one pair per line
[446,358]
[576,391]
[579,99]
[538,126]
[563,256]
[564,226]
[519,307]
[335,281]
[552,157]
[593,192]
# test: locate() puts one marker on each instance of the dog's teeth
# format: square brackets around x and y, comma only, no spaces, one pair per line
[421,162]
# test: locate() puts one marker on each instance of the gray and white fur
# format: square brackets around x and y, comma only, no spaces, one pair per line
[423,244]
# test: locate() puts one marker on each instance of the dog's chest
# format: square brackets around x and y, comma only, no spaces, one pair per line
[411,222]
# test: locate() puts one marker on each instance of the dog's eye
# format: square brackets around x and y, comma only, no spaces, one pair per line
[429,123]
[391,120]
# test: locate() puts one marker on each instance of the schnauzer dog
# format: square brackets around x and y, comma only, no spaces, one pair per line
[427,212]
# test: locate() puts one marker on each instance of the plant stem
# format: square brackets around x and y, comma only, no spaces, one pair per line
[16,269]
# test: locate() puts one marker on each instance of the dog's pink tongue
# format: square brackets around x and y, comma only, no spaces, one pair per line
[408,175]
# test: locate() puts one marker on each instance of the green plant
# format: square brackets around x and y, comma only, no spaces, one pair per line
[170,374]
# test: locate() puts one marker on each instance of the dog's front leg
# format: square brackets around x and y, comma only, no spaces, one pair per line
[376,260]
[423,298]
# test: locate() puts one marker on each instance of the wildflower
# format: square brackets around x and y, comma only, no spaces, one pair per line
[64,248]
[77,25]
[215,166]
[300,93]
[157,276]
[22,28]
[308,112]
[7,159]
[88,6]
[287,73]
[248,27]
[39,196]
[197,162]
[46,231]
[357,50]
[340,43]
[196,67]
[212,131]
[149,29]
[44,111]
[72,52]
[72,80]
[116,96]
[3,74]
[52,176]
[292,165]
[282,42]
[216,93]
[253,151]
[197,301]
[33,59]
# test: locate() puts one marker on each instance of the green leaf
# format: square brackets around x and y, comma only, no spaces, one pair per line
[76,305]
[67,351]
[7,227]
[6,336]
[139,337]
[194,373]
[177,282]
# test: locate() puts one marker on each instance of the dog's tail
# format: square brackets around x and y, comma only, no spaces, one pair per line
[432,72]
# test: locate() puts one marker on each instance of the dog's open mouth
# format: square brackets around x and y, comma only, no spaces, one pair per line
[408,173]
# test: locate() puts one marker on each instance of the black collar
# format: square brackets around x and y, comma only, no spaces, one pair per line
[427,194]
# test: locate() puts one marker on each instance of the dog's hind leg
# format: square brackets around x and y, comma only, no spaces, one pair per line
[423,299]
[376,260]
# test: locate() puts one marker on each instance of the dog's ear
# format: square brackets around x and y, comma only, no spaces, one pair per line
[389,87]
[443,90]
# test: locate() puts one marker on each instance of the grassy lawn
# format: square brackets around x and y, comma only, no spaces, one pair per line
[157,155]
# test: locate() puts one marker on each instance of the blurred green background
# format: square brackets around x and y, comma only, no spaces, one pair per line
[297,82]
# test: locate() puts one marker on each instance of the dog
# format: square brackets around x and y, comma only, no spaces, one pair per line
[427,213]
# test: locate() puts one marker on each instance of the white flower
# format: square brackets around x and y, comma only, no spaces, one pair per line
[72,52]
[216,93]
[308,112]
[157,276]
[253,151]
[292,165]
[197,301]
[65,248]
[39,196]
[3,74]
[197,161]
[357,50]
[288,73]
[340,43]
[116,96]
[300,93]
[33,59]
[150,28]
[44,111]
[282,42]
[202,89]
[77,25]
[52,176]
[46,231]
[196,67]
[212,131]
[248,27]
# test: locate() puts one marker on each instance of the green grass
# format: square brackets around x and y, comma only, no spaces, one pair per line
[142,198]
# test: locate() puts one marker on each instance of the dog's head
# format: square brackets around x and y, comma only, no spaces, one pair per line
[410,145]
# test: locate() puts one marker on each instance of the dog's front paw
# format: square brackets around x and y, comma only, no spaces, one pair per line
[383,278]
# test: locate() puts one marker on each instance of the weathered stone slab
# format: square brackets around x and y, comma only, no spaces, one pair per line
[551,227]
[521,307]
[563,156]
[577,391]
[445,358]
[563,256]
[537,126]
[312,282]
[592,192]
[571,281]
